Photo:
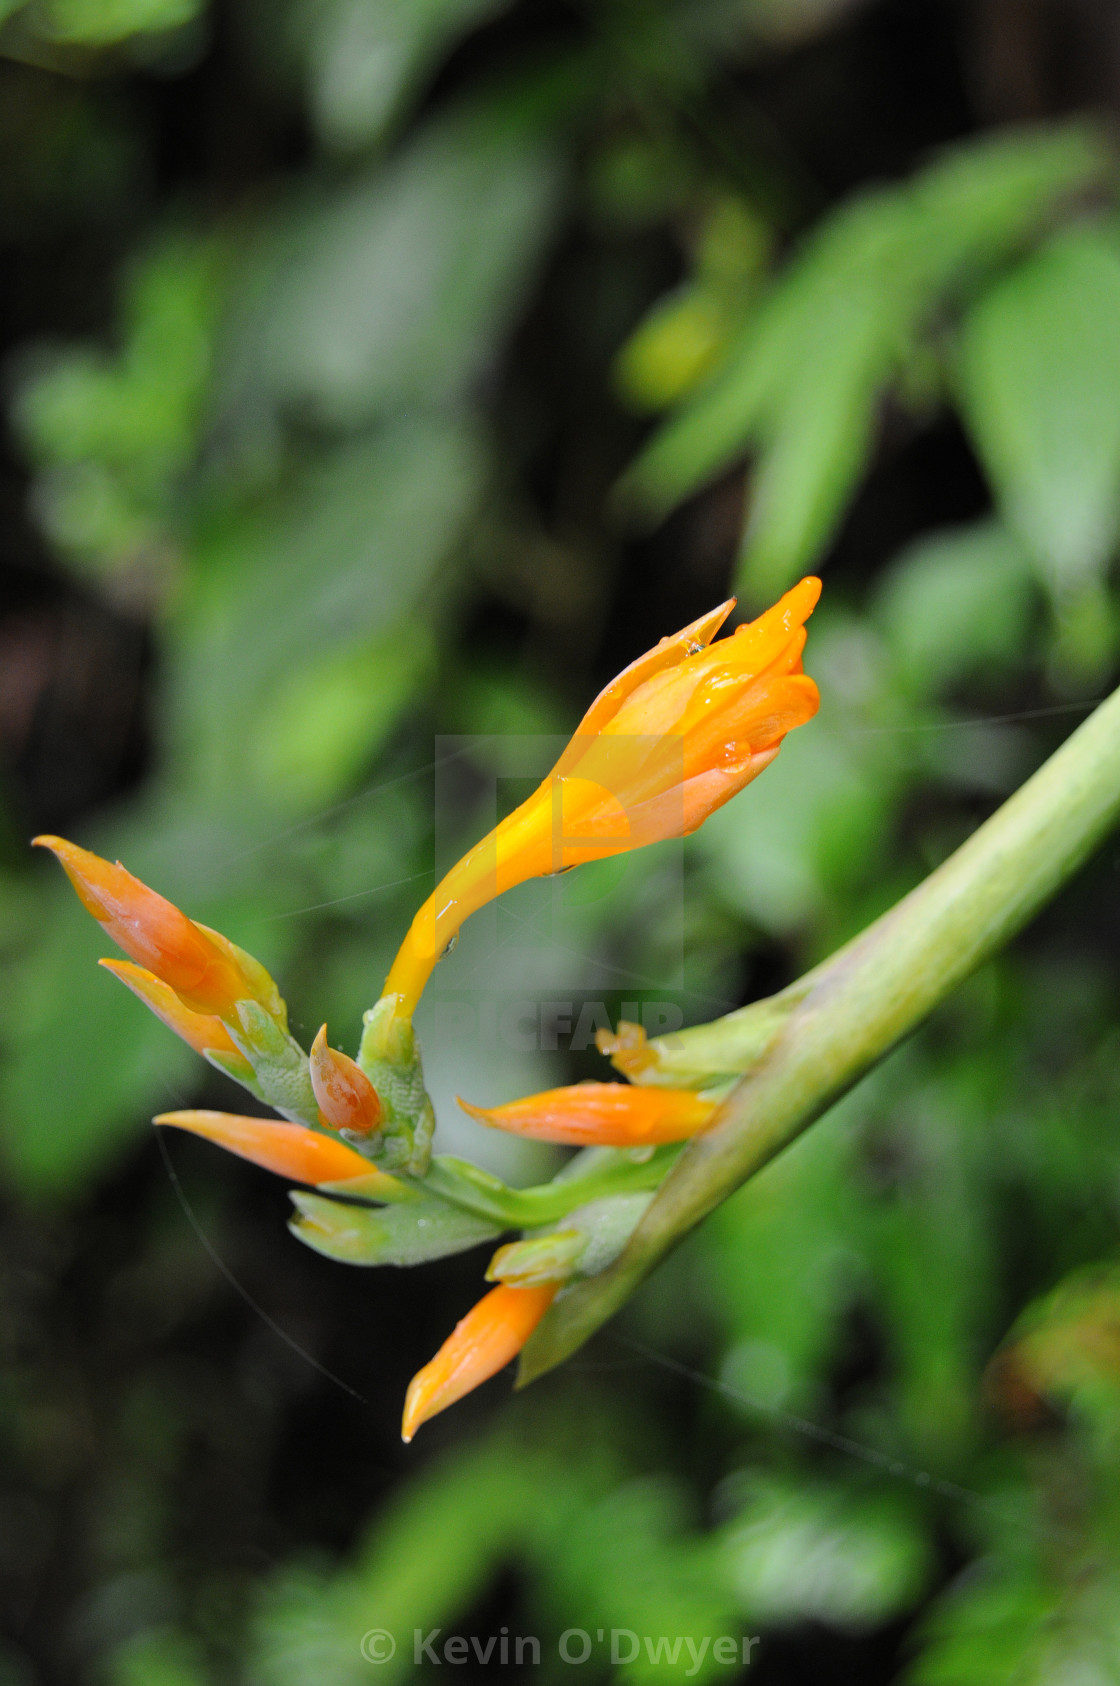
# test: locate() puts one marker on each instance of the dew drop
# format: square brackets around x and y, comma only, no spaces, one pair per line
[452,944]
[693,649]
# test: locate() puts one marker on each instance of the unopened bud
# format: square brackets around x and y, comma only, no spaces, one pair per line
[346,1097]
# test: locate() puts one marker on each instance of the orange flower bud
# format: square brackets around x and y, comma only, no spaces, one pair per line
[204,1032]
[674,737]
[347,1099]
[207,972]
[484,1342]
[602,1115]
[290,1150]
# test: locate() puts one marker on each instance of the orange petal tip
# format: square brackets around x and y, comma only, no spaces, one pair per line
[602,1115]
[288,1150]
[482,1343]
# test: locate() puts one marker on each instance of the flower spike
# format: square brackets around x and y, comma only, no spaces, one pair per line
[290,1150]
[208,973]
[346,1097]
[671,739]
[602,1115]
[484,1342]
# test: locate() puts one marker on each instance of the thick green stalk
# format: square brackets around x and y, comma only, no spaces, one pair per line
[849,1012]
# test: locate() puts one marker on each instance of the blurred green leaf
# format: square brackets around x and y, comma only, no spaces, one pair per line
[160,1658]
[626,1561]
[802,380]
[799,1550]
[783,1261]
[1066,1348]
[113,436]
[310,589]
[102,23]
[328,717]
[1011,1628]
[957,604]
[397,289]
[1039,373]
[366,57]
[422,1565]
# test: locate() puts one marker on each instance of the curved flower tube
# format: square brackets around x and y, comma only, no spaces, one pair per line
[671,739]
[290,1150]
[207,972]
[602,1115]
[481,1344]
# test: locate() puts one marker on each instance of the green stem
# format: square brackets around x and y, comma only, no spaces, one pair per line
[849,1012]
[477,1191]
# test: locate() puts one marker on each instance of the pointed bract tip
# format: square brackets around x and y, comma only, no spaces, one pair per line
[204,1032]
[288,1150]
[202,968]
[482,1343]
[345,1096]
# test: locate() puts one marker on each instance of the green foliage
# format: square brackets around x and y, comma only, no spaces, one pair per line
[801,382]
[366,58]
[395,289]
[94,24]
[113,437]
[836,1554]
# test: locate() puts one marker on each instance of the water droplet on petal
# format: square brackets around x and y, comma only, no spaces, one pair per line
[692,649]
[452,943]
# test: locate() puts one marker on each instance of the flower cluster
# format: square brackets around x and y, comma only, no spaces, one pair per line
[672,738]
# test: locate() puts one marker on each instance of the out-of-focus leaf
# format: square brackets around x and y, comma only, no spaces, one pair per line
[398,289]
[101,23]
[1005,1626]
[685,334]
[794,20]
[112,436]
[626,1562]
[798,1550]
[327,717]
[783,1263]
[801,382]
[159,1658]
[1039,373]
[426,1559]
[365,58]
[957,604]
[1066,1348]
[352,551]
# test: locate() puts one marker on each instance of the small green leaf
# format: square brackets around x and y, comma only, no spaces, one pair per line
[407,1234]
